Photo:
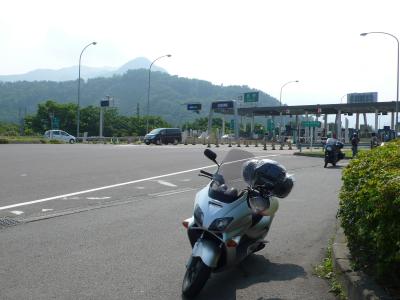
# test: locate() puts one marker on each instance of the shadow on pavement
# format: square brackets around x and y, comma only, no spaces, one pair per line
[254,269]
[336,167]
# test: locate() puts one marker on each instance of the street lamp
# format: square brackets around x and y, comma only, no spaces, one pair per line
[148,91]
[397,81]
[79,89]
[280,104]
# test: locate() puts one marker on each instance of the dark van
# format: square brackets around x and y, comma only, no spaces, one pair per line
[163,136]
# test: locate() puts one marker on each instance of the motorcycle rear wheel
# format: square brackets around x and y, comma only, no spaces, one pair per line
[196,276]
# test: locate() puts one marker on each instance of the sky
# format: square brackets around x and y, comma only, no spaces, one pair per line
[260,43]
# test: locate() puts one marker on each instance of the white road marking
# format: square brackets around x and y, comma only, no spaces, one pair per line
[17,212]
[118,185]
[23,175]
[167,193]
[47,209]
[140,187]
[166,183]
[97,198]
[185,180]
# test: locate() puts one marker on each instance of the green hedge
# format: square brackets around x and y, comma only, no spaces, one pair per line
[370,210]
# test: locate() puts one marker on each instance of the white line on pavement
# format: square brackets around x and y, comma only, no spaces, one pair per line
[17,212]
[117,185]
[167,193]
[166,183]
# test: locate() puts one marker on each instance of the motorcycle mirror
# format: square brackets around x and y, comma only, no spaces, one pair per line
[211,155]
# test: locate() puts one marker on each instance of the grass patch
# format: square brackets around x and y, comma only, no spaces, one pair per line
[325,271]
[23,140]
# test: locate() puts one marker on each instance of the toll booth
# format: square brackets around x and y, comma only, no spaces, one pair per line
[224,107]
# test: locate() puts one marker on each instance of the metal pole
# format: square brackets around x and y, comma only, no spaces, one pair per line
[148,91]
[280,105]
[79,89]
[101,121]
[397,83]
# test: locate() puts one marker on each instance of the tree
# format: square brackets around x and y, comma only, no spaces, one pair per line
[114,123]
[53,115]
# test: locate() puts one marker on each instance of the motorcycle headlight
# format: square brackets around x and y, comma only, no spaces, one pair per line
[328,148]
[220,224]
[198,216]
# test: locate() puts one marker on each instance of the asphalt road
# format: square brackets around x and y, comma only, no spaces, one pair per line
[104,222]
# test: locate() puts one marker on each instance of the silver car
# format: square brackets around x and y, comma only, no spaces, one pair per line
[60,135]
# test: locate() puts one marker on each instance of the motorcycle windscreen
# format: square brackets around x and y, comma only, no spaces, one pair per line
[231,168]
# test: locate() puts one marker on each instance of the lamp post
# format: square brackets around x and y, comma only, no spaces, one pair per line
[397,81]
[148,91]
[79,89]
[280,104]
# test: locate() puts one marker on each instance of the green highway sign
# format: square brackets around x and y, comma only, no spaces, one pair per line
[311,124]
[56,123]
[251,97]
[270,125]
[232,125]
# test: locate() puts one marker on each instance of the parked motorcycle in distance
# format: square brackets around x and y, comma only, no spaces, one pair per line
[333,153]
[231,216]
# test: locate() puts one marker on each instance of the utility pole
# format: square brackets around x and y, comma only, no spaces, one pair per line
[138,110]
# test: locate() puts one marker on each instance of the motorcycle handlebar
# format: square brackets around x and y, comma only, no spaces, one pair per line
[206,173]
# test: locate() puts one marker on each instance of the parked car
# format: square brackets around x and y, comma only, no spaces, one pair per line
[163,136]
[60,135]
[227,137]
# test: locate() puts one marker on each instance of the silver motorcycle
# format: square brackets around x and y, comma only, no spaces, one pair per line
[232,215]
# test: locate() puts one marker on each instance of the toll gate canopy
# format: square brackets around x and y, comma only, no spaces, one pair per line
[343,108]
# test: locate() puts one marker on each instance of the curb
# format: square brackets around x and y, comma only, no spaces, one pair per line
[357,285]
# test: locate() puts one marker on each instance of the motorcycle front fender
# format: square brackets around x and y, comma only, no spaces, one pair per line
[208,251]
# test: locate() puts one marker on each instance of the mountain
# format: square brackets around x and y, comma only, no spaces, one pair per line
[138,63]
[71,73]
[168,96]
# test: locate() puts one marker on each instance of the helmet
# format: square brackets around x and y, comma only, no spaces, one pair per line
[248,170]
[268,174]
[283,189]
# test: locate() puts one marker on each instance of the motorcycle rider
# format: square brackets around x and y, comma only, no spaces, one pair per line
[354,143]
[374,140]
[336,146]
[332,140]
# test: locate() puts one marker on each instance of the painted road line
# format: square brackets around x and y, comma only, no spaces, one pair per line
[97,198]
[119,185]
[172,192]
[47,209]
[166,183]
[17,212]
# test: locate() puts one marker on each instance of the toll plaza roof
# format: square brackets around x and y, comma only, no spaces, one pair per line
[344,108]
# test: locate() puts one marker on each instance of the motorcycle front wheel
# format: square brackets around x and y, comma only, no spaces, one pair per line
[196,276]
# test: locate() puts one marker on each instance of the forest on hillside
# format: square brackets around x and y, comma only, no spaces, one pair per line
[168,95]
